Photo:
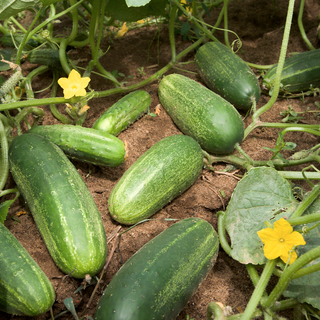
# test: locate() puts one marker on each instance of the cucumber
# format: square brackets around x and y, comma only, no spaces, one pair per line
[160,278]
[124,112]
[9,40]
[162,173]
[85,144]
[228,75]
[61,204]
[46,57]
[202,114]
[300,72]
[24,288]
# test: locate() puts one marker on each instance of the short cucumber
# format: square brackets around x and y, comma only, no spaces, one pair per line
[24,288]
[160,278]
[228,75]
[201,114]
[162,173]
[300,72]
[46,57]
[85,144]
[61,204]
[124,112]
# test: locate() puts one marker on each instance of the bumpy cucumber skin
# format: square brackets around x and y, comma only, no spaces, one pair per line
[61,204]
[46,57]
[299,72]
[160,278]
[85,144]
[24,288]
[202,114]
[162,173]
[124,112]
[228,75]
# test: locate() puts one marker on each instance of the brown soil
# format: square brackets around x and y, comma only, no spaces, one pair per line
[259,24]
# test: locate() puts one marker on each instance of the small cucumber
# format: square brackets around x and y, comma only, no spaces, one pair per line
[160,278]
[202,114]
[46,57]
[85,144]
[24,288]
[166,170]
[228,75]
[124,112]
[299,73]
[61,204]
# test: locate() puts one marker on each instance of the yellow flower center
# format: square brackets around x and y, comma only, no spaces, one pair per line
[281,240]
[74,87]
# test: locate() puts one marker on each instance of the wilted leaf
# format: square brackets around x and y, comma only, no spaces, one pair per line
[262,195]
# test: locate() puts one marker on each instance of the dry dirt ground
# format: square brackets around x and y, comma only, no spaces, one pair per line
[259,25]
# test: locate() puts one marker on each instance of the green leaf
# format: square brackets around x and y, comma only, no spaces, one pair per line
[6,54]
[12,7]
[137,3]
[68,302]
[120,10]
[262,195]
[307,288]
[4,208]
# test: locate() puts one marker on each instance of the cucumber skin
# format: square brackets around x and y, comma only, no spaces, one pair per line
[46,57]
[85,144]
[299,72]
[61,204]
[24,288]
[202,114]
[162,173]
[228,75]
[160,278]
[124,112]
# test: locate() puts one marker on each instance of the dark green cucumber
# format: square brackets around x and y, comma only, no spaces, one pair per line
[124,112]
[9,40]
[300,72]
[166,170]
[61,204]
[160,278]
[46,57]
[228,75]
[202,114]
[24,288]
[85,144]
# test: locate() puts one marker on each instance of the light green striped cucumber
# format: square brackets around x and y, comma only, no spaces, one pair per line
[85,144]
[61,204]
[124,112]
[162,173]
[160,278]
[24,288]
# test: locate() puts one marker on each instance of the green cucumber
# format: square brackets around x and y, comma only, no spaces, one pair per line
[202,114]
[160,278]
[61,204]
[300,72]
[124,112]
[9,40]
[228,75]
[24,288]
[46,57]
[85,144]
[162,173]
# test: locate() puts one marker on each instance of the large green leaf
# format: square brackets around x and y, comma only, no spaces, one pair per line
[120,10]
[262,195]
[9,8]
[307,288]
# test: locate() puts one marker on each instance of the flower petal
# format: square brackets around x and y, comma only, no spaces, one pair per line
[68,93]
[293,257]
[74,76]
[271,251]
[80,92]
[83,82]
[63,82]
[283,228]
[295,239]
[267,234]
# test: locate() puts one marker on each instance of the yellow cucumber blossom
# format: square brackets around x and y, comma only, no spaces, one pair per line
[74,85]
[281,241]
[188,8]
[122,31]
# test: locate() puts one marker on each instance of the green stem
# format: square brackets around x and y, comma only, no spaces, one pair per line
[214,311]
[305,271]
[173,13]
[259,290]
[283,51]
[308,218]
[8,191]
[225,23]
[37,111]
[4,169]
[297,175]
[301,28]
[222,235]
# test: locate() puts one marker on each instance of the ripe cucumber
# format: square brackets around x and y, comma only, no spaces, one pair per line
[202,114]
[124,112]
[61,204]
[24,288]
[160,278]
[46,57]
[228,75]
[300,71]
[85,144]
[166,170]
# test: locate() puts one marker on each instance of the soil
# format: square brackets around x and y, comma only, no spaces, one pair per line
[259,24]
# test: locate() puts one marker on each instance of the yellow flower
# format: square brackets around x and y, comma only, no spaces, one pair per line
[188,8]
[74,85]
[140,21]
[280,241]
[122,31]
